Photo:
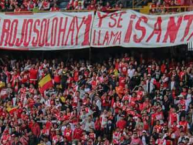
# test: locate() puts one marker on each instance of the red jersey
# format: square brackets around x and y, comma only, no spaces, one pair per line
[54,9]
[76,75]
[124,69]
[77,133]
[68,134]
[25,3]
[122,81]
[33,74]
[121,124]
[184,124]
[57,78]
[173,117]
[46,5]
[91,7]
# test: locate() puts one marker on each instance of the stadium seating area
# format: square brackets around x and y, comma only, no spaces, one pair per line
[156,6]
[169,6]
[56,5]
[119,96]
[127,99]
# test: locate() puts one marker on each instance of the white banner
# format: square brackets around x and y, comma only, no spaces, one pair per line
[46,31]
[132,29]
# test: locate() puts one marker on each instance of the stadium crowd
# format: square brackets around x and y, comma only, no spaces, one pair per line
[170,6]
[124,100]
[57,5]
[157,6]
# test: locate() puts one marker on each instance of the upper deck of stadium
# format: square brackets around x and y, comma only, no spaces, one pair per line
[143,6]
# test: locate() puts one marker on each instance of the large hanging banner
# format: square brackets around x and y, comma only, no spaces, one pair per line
[61,30]
[46,31]
[133,29]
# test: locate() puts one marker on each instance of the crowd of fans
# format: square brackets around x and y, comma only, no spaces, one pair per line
[157,6]
[170,6]
[124,100]
[57,5]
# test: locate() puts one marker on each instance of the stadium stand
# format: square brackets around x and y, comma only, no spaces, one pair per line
[155,6]
[96,96]
[121,99]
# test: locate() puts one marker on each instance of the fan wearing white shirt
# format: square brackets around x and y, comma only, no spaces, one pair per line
[130,71]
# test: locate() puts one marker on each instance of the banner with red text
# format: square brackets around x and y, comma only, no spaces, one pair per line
[45,31]
[133,29]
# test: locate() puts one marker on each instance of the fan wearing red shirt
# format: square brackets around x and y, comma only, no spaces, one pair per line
[121,124]
[6,137]
[173,117]
[91,6]
[179,2]
[116,136]
[30,6]
[68,133]
[45,131]
[163,68]
[2,4]
[117,7]
[14,79]
[124,69]
[105,101]
[122,81]
[56,77]
[17,8]
[184,124]
[157,127]
[75,3]
[54,8]
[76,74]
[77,133]
[45,5]
[24,76]
[107,7]
[153,8]
[33,74]
[25,3]
[35,128]
[23,8]
[92,135]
